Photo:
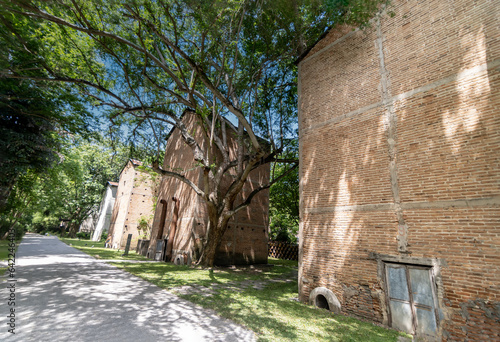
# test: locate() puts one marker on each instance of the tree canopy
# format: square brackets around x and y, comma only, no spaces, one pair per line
[34,113]
[147,61]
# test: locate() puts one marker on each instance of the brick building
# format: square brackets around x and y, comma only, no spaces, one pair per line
[184,220]
[400,170]
[134,199]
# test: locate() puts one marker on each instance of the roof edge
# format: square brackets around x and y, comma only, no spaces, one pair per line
[229,123]
[306,52]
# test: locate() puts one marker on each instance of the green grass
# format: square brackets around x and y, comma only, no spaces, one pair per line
[4,248]
[4,253]
[273,313]
[290,263]
[99,252]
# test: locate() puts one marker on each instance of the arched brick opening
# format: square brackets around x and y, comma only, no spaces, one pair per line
[321,302]
[323,298]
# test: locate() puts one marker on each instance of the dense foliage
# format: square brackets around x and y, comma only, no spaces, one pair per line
[284,201]
[70,189]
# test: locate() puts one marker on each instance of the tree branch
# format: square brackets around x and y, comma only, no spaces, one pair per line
[180,177]
[248,200]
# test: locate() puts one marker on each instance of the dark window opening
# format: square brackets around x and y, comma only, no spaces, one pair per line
[321,302]
[162,219]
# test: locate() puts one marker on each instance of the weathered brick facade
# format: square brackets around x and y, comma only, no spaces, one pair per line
[400,167]
[245,241]
[134,198]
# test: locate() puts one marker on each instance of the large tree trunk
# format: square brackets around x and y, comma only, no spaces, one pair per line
[216,229]
[213,242]
[219,219]
[173,228]
[73,229]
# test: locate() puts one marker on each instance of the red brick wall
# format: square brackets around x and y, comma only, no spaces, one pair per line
[245,241]
[400,156]
[134,198]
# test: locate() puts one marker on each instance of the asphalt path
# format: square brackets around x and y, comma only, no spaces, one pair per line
[62,294]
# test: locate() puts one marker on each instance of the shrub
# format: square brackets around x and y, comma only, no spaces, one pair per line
[104,236]
[284,227]
[144,226]
[83,235]
[19,232]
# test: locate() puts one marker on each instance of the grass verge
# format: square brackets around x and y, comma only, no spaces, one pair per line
[4,248]
[4,253]
[262,299]
[96,249]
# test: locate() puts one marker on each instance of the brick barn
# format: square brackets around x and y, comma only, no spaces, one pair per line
[399,131]
[134,199]
[181,215]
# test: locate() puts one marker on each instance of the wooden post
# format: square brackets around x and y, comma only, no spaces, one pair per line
[127,246]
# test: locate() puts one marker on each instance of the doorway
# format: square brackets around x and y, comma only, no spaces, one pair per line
[160,242]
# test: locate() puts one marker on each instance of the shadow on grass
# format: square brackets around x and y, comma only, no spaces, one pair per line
[276,317]
[98,251]
[169,276]
[272,312]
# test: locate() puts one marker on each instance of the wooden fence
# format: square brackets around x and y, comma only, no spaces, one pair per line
[283,250]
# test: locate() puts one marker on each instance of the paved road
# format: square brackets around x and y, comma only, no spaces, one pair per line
[63,294]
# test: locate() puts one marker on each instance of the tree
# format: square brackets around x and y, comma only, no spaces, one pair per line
[150,60]
[33,114]
[22,195]
[284,201]
[26,141]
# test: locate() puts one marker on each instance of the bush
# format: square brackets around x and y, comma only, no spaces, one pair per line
[43,229]
[39,229]
[144,226]
[83,235]
[54,229]
[104,236]
[283,227]
[18,232]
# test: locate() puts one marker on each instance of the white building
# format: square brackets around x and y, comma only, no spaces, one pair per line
[105,211]
[88,225]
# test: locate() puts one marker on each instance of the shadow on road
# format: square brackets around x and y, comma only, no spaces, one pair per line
[64,295]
